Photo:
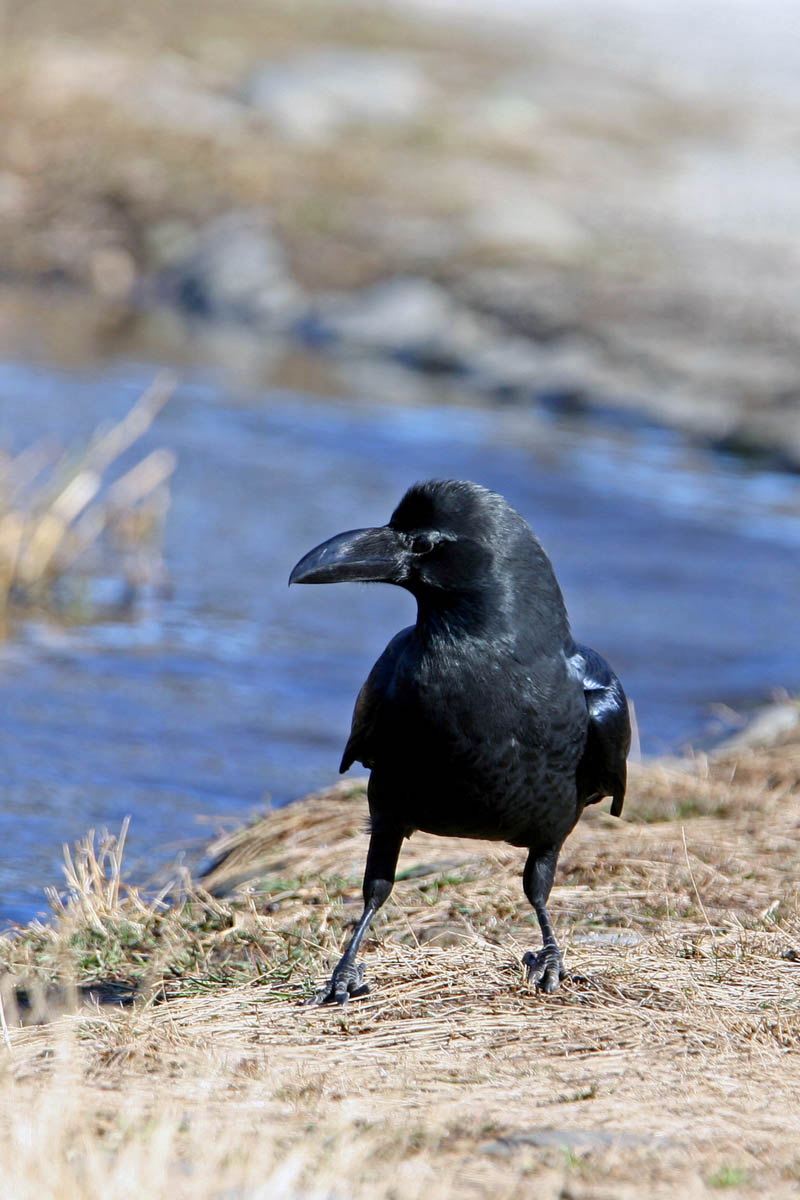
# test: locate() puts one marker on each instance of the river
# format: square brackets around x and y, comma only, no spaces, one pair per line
[679,565]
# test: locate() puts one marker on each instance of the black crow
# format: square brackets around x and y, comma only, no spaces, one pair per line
[484,719]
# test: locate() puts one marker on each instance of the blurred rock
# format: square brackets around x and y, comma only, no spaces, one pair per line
[112,272]
[365,376]
[610,217]
[169,242]
[770,433]
[164,93]
[408,316]
[520,218]
[510,364]
[415,240]
[504,115]
[184,108]
[314,96]
[15,194]
[234,269]
[66,68]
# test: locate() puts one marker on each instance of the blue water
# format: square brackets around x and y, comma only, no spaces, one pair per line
[682,567]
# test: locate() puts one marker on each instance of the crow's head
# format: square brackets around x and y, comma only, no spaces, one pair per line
[457,547]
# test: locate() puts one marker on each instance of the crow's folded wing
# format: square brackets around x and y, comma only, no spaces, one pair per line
[602,770]
[370,704]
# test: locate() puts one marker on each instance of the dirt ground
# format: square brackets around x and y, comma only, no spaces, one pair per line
[668,1064]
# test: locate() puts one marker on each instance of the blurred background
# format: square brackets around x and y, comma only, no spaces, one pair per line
[264,265]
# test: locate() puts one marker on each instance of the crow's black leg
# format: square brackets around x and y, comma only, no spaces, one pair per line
[348,976]
[545,969]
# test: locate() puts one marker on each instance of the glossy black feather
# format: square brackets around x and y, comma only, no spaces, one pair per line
[602,770]
[484,719]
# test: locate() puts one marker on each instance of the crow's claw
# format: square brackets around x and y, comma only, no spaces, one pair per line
[544,969]
[347,980]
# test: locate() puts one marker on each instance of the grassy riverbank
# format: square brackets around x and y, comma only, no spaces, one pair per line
[670,1064]
[615,221]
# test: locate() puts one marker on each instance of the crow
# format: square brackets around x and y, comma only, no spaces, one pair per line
[484,719]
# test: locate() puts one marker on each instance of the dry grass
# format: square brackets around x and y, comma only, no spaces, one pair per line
[57,506]
[670,1065]
[83,99]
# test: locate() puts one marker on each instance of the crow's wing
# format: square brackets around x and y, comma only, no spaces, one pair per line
[362,743]
[602,770]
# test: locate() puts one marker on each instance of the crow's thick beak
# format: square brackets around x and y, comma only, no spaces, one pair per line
[368,555]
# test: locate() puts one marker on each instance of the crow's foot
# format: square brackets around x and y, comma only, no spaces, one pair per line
[544,969]
[347,980]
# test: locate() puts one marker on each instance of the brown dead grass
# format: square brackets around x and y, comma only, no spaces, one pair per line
[58,507]
[98,162]
[670,1065]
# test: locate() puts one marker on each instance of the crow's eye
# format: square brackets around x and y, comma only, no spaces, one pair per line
[422,543]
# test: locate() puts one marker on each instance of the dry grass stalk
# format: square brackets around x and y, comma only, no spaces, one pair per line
[55,506]
[671,1066]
